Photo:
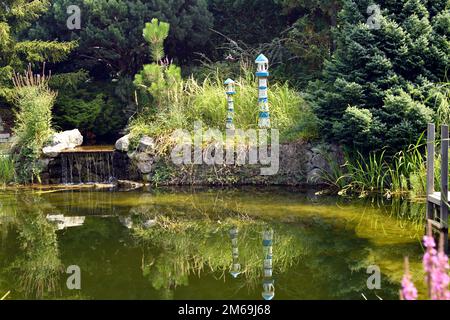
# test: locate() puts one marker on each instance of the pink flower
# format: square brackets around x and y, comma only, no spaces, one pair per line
[439,277]
[409,291]
[429,260]
[436,266]
[428,241]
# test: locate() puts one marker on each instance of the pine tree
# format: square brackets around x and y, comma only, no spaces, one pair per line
[110,39]
[309,37]
[374,90]
[157,81]
[15,52]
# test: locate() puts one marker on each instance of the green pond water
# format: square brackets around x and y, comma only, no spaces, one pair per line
[176,244]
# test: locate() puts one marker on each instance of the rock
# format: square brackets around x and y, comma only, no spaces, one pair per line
[51,152]
[143,161]
[63,222]
[314,176]
[43,163]
[123,143]
[103,185]
[129,185]
[126,222]
[4,137]
[63,140]
[144,167]
[149,223]
[142,157]
[318,161]
[309,166]
[70,138]
[308,155]
[146,144]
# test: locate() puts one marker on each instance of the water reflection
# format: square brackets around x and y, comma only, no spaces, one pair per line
[170,246]
[62,222]
[236,266]
[176,249]
[268,283]
[36,264]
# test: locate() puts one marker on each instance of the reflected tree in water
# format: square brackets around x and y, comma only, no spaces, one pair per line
[37,265]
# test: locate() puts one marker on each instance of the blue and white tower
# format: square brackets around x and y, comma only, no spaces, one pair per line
[230,103]
[268,282]
[262,73]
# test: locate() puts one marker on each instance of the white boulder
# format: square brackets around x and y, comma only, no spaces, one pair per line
[63,140]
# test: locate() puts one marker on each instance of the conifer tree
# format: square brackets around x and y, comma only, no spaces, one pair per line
[16,16]
[110,39]
[374,90]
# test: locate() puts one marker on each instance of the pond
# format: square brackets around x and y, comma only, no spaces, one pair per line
[205,244]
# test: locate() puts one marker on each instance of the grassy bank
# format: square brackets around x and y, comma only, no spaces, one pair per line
[205,101]
[404,173]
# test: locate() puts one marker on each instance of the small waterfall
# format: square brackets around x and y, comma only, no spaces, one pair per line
[87,167]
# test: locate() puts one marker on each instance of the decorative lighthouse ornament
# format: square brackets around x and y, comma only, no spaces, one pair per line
[236,268]
[230,103]
[268,282]
[262,73]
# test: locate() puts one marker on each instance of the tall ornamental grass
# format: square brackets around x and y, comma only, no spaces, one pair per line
[33,125]
[7,170]
[404,172]
[205,101]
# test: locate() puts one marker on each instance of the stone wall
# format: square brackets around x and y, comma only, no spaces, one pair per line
[300,163]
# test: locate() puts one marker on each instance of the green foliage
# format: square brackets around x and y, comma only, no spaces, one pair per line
[155,33]
[359,122]
[33,125]
[294,34]
[38,266]
[69,81]
[92,107]
[232,18]
[110,39]
[384,75]
[15,53]
[439,100]
[158,82]
[192,246]
[98,109]
[404,172]
[7,169]
[309,38]
[367,175]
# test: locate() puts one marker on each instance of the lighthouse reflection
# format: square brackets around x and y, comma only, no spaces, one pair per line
[236,267]
[268,282]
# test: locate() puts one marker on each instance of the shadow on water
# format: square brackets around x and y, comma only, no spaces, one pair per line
[205,244]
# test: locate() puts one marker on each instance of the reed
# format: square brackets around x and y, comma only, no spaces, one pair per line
[7,169]
[402,173]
